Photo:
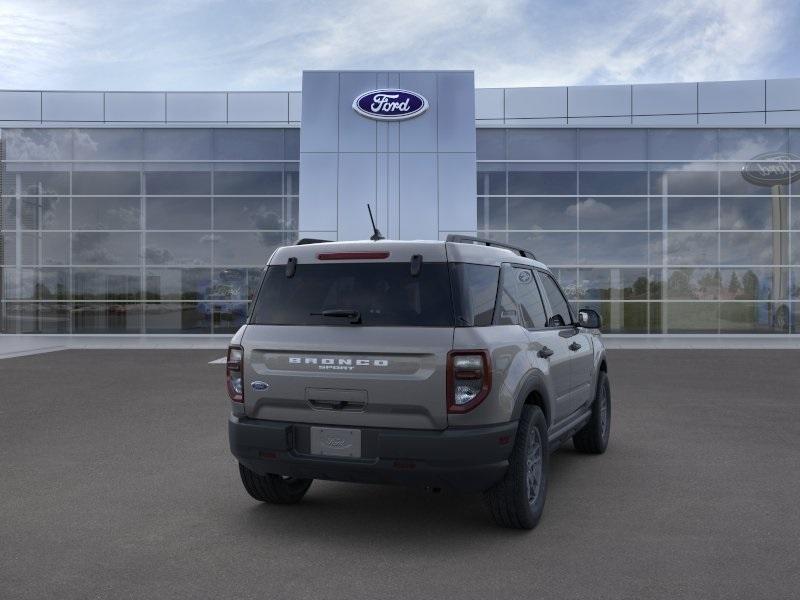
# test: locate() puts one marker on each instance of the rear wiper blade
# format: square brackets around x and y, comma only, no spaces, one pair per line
[353,315]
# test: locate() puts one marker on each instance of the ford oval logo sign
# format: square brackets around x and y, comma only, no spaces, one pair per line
[772,168]
[390,105]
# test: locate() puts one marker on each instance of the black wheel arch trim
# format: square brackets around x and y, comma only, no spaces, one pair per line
[534,381]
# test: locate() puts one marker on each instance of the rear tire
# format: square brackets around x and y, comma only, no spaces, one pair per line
[593,438]
[274,489]
[517,501]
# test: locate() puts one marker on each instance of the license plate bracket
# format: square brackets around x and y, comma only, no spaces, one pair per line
[335,441]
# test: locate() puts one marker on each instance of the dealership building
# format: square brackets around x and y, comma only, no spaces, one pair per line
[668,208]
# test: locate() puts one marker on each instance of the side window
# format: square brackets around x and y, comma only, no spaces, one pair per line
[530,301]
[558,304]
[508,310]
[474,290]
[519,302]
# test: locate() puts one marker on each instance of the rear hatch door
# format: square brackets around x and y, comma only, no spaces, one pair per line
[351,341]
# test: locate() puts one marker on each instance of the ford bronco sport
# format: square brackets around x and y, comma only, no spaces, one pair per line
[455,363]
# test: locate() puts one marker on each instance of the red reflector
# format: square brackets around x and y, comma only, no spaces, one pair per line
[504,439]
[268,455]
[352,255]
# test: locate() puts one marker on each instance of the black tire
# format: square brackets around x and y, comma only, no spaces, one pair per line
[274,489]
[512,502]
[593,438]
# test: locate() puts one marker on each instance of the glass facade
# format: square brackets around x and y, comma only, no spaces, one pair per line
[141,230]
[166,230]
[659,230]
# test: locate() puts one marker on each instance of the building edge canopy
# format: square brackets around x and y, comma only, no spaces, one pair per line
[751,103]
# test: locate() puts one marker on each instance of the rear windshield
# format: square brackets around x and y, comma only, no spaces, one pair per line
[383,294]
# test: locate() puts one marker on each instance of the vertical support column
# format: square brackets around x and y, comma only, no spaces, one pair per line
[664,246]
[18,243]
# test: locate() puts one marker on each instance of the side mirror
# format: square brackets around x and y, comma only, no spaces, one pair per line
[589,319]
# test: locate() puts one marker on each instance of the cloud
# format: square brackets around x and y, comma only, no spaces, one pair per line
[209,44]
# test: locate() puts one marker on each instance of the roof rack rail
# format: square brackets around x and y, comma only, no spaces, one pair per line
[304,241]
[466,239]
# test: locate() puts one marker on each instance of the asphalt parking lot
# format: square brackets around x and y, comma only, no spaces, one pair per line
[116,482]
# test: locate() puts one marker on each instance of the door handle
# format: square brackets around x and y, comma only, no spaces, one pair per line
[545,352]
[574,346]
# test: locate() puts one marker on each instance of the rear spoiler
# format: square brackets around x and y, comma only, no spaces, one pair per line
[304,241]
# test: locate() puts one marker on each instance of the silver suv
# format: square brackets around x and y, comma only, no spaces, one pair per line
[455,364]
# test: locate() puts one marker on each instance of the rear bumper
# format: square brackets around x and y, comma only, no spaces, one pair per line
[465,459]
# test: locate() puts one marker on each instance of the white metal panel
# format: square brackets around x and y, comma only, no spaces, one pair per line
[783,94]
[295,106]
[72,106]
[784,118]
[457,192]
[382,136]
[419,134]
[665,99]
[456,111]
[731,96]
[664,120]
[382,191]
[599,101]
[732,119]
[258,106]
[554,122]
[393,195]
[418,194]
[489,103]
[20,106]
[320,129]
[196,107]
[356,190]
[318,191]
[489,122]
[535,103]
[135,107]
[356,132]
[599,121]
[393,136]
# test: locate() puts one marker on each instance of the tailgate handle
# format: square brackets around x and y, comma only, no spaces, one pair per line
[334,399]
[337,404]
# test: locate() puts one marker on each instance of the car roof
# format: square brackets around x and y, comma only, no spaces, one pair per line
[403,250]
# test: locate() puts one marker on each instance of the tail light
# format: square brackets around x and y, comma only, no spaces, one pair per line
[234,373]
[469,379]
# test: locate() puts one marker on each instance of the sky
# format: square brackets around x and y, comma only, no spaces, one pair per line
[265,45]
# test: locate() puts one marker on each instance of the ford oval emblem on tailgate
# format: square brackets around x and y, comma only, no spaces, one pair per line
[259,385]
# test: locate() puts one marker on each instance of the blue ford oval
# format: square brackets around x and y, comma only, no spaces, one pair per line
[390,105]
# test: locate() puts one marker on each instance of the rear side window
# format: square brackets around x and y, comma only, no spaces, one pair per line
[558,304]
[384,294]
[519,301]
[474,293]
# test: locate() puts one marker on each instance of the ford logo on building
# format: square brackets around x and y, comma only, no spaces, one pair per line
[390,105]
[772,168]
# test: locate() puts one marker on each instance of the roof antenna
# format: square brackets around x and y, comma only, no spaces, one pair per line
[376,232]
